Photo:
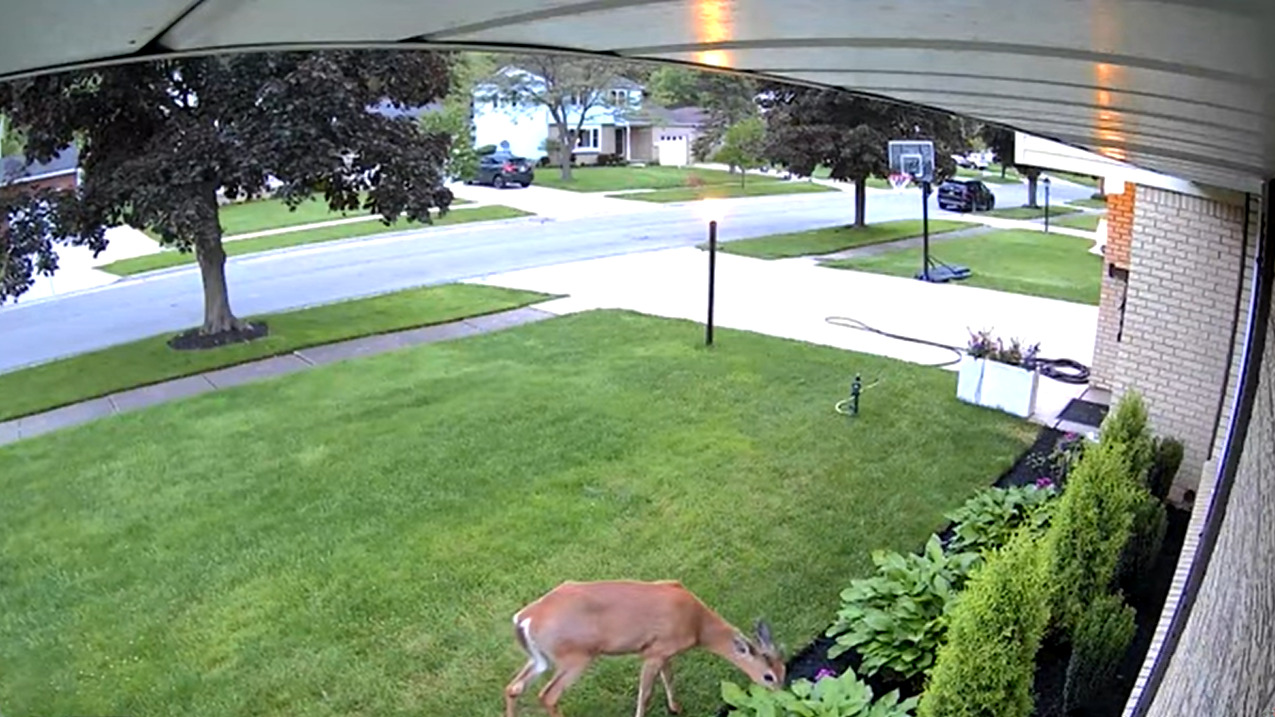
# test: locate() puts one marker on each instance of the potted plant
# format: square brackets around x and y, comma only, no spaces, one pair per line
[998,376]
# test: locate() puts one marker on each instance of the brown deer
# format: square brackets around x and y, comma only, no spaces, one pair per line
[575,623]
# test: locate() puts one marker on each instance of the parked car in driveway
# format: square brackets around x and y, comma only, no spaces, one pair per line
[965,195]
[502,170]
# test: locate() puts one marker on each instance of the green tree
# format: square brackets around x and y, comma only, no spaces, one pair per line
[1000,141]
[744,146]
[159,140]
[569,88]
[849,134]
[455,118]
[725,99]
[11,137]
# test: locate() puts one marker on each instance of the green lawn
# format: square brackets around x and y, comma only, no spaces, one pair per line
[726,191]
[1055,210]
[615,179]
[822,172]
[172,257]
[1018,261]
[354,539]
[1089,203]
[262,214]
[826,241]
[1086,222]
[86,376]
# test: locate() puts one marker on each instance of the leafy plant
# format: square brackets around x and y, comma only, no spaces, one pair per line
[897,618]
[1060,460]
[987,665]
[983,346]
[1168,458]
[1127,425]
[1102,638]
[1146,537]
[990,518]
[844,696]
[1091,526]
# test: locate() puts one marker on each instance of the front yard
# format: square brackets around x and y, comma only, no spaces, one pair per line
[1057,210]
[1018,261]
[354,539]
[834,239]
[671,184]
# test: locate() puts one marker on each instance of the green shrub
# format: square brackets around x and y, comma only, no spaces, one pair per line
[1168,458]
[1102,638]
[896,618]
[990,518]
[987,665]
[844,696]
[1127,425]
[1146,537]
[1091,526]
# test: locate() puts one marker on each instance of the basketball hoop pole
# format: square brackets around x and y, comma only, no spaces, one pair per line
[925,230]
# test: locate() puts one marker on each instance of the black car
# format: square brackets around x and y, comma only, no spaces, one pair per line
[501,170]
[965,195]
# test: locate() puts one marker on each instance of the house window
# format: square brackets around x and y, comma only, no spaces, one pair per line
[588,139]
[619,97]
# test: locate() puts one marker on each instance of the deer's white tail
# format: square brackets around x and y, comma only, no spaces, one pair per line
[522,628]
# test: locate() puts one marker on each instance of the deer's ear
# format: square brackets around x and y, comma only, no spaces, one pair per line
[763,635]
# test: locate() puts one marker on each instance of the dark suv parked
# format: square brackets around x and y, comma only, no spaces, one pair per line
[500,170]
[965,195]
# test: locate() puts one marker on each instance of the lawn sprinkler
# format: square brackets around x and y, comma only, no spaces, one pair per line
[850,406]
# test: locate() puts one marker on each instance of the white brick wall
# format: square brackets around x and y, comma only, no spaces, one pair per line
[1183,274]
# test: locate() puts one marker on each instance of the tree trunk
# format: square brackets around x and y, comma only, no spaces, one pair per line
[1002,169]
[743,177]
[1031,190]
[860,202]
[211,255]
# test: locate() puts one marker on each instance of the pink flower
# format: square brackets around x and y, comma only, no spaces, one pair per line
[824,672]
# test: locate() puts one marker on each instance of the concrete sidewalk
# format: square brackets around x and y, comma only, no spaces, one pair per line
[299,360]
[793,298]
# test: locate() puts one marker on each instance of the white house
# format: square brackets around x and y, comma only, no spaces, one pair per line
[624,126]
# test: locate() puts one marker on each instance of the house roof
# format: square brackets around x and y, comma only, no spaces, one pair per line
[665,117]
[14,169]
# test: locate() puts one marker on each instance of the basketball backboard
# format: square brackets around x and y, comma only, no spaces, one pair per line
[914,158]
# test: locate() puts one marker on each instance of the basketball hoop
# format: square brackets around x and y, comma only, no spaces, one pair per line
[899,181]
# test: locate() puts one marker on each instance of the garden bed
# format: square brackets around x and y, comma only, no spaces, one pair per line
[1053,657]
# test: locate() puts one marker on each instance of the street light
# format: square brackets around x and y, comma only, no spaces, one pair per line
[1046,181]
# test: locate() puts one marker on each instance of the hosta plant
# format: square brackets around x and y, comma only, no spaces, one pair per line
[990,518]
[844,696]
[897,618]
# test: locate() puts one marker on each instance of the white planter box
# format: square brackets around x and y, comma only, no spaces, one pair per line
[997,385]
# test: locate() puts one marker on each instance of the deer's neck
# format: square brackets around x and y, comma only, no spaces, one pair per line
[717,636]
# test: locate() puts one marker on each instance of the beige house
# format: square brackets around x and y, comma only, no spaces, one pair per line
[650,135]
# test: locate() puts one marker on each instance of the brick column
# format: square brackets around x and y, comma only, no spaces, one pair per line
[1115,272]
[1180,314]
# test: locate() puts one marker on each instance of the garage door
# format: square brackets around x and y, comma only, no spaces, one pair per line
[673,151]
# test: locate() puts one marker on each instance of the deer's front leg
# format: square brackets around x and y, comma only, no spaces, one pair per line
[650,668]
[666,678]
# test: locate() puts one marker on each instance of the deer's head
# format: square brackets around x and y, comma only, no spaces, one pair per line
[759,658]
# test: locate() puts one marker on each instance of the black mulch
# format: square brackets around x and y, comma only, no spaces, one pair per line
[1086,413]
[194,340]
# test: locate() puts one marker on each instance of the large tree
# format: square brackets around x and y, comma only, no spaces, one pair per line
[570,88]
[1000,141]
[726,100]
[850,134]
[159,141]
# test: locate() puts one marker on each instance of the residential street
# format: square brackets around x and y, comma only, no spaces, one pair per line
[261,283]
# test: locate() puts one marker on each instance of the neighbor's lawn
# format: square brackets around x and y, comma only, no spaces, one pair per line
[262,214]
[172,257]
[1089,203]
[1085,222]
[1018,261]
[90,375]
[827,241]
[822,172]
[614,179]
[727,191]
[354,539]
[1055,210]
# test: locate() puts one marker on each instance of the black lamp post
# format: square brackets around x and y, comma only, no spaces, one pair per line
[712,280]
[1046,182]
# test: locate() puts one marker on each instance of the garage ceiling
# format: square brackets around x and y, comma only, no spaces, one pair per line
[1184,87]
